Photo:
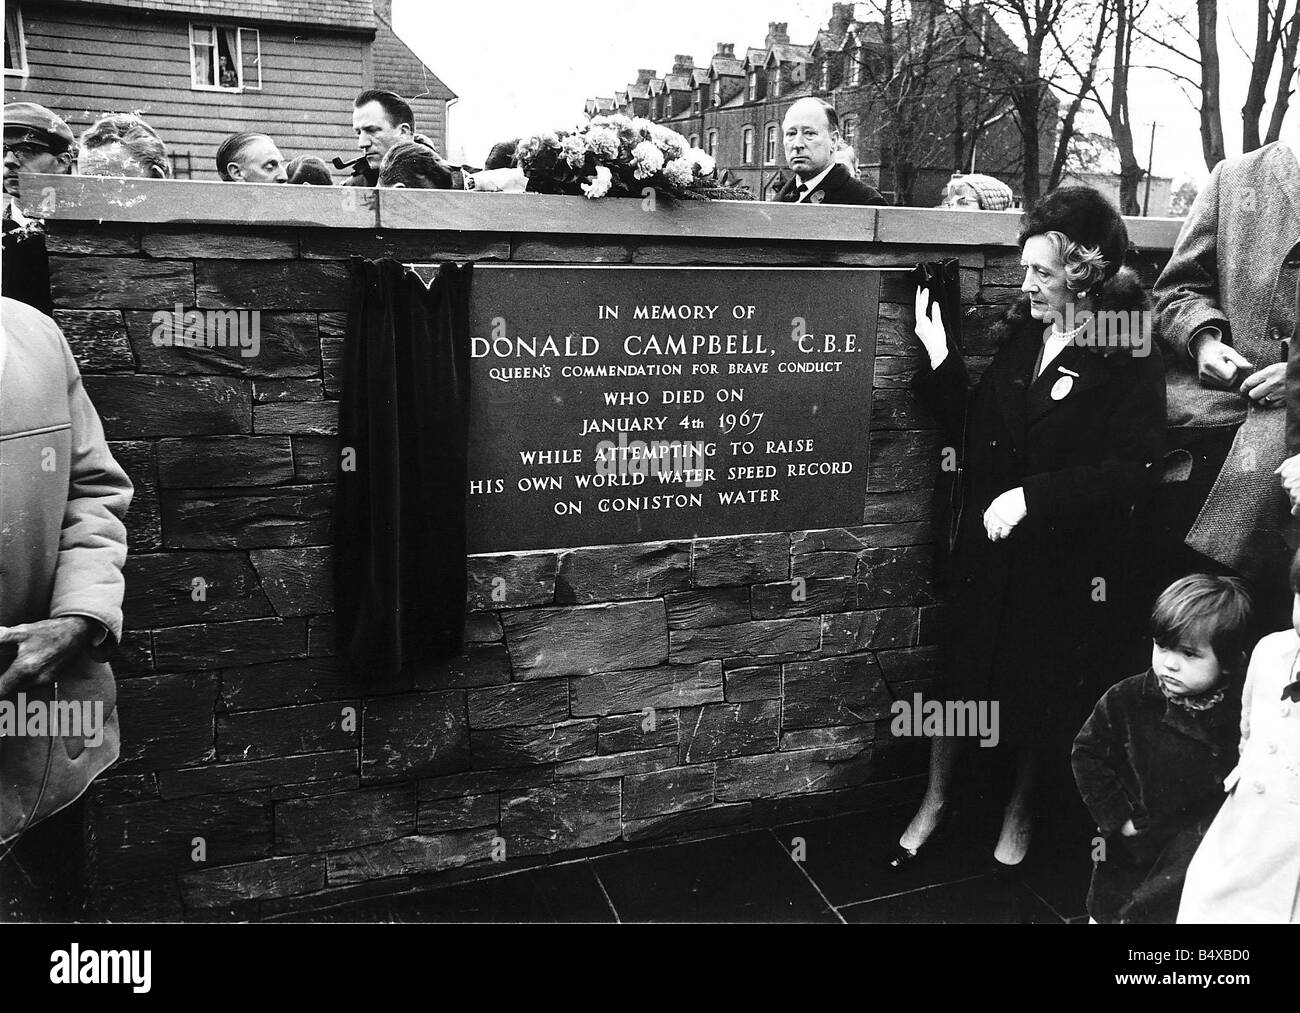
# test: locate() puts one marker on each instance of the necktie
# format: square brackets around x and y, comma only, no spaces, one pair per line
[801,193]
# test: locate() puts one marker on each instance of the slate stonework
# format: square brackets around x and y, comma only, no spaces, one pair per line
[606,694]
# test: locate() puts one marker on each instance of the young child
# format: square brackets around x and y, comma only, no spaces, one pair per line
[1151,760]
[1248,867]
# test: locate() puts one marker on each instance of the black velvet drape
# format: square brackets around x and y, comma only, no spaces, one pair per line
[399,516]
[943,279]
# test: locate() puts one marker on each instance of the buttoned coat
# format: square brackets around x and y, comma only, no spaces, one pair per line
[1235,266]
[1034,617]
[1247,868]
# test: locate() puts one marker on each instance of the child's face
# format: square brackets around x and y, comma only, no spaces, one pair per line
[1189,668]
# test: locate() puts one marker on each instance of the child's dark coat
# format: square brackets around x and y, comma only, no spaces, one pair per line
[1144,758]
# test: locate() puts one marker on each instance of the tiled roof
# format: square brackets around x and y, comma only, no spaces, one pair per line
[827,42]
[679,82]
[787,53]
[637,91]
[355,14]
[620,98]
[656,85]
[398,69]
[701,76]
[725,66]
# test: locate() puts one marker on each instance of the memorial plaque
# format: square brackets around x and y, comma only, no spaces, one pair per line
[623,404]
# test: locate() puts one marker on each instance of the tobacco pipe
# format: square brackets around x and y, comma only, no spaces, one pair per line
[354,165]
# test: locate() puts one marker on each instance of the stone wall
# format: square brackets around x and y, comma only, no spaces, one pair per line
[258,777]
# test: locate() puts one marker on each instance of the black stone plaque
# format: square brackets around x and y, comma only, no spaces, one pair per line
[622,404]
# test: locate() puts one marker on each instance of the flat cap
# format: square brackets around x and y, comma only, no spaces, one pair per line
[37,124]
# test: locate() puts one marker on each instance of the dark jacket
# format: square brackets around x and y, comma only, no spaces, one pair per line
[1034,616]
[838,187]
[366,176]
[1143,758]
[26,267]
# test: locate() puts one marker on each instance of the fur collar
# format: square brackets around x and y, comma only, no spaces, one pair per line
[1123,293]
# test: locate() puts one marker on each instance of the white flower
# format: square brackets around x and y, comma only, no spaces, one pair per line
[616,120]
[702,161]
[680,172]
[600,184]
[644,127]
[647,159]
[673,144]
[573,149]
[603,141]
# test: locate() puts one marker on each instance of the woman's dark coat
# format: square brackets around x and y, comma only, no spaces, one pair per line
[1143,758]
[1035,618]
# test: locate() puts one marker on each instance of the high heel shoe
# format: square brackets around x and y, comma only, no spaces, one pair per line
[901,859]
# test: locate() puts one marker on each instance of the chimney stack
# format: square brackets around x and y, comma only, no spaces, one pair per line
[841,18]
[777,34]
[727,49]
[683,63]
[643,77]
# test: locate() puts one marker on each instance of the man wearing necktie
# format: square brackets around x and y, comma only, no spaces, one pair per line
[812,131]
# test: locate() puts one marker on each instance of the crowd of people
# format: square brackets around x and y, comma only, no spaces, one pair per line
[1094,479]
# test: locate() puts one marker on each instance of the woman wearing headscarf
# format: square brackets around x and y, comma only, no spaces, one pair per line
[1056,443]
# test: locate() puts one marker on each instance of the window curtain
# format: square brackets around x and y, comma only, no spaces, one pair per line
[399,519]
[943,280]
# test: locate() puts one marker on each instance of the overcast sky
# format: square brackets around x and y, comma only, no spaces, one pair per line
[520,66]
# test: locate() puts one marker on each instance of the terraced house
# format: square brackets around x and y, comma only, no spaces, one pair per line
[912,97]
[198,71]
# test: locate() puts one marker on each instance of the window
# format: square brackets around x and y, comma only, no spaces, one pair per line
[747,146]
[855,67]
[753,86]
[769,150]
[225,58]
[849,130]
[15,42]
[775,75]
[716,97]
[712,149]
[697,101]
[695,140]
[826,75]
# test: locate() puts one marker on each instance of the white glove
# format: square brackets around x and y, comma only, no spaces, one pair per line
[930,329]
[1004,513]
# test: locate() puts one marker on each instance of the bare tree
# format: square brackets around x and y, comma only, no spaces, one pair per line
[1190,56]
[1276,34]
[1082,88]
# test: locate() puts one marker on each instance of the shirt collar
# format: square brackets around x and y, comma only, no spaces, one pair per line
[815,182]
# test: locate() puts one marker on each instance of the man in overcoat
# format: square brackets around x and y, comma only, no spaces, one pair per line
[1226,306]
[62,546]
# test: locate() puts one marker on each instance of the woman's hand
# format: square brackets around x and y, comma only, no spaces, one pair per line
[1004,513]
[1267,388]
[930,328]
[1217,364]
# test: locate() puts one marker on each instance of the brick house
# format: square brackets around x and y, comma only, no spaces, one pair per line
[287,67]
[735,106]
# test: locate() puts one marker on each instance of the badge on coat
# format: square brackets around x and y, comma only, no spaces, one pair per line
[1061,389]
